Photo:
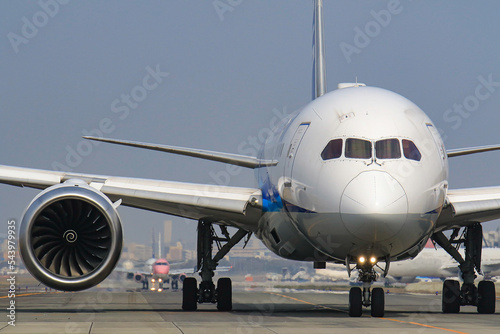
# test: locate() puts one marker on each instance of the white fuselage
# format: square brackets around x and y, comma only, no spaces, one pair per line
[356,197]
[437,263]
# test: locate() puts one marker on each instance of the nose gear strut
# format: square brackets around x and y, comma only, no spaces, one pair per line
[374,298]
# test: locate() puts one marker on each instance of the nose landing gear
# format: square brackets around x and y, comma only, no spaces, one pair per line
[374,298]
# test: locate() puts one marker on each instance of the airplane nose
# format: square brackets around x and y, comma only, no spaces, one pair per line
[374,206]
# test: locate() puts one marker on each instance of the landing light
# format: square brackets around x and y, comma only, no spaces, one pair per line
[373,260]
[160,280]
[153,280]
[361,259]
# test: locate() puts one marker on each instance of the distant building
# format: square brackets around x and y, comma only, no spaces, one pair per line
[254,249]
[190,254]
[175,253]
[492,238]
[167,232]
[136,252]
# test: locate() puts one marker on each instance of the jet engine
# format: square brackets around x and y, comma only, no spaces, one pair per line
[138,277]
[71,236]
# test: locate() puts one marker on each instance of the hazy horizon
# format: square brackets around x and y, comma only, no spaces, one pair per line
[217,76]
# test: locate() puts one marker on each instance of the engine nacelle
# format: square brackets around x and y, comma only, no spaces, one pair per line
[182,277]
[138,277]
[71,236]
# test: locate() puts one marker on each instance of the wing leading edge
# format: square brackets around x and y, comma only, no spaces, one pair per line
[235,206]
[229,158]
[466,206]
[471,150]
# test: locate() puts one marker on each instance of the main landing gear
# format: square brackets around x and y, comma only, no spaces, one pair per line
[454,296]
[207,292]
[374,298]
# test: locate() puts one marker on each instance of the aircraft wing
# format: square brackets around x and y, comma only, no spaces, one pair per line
[128,271]
[465,206]
[177,272]
[490,266]
[172,272]
[235,206]
[471,150]
[450,270]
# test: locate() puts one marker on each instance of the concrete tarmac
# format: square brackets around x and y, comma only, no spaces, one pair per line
[254,312]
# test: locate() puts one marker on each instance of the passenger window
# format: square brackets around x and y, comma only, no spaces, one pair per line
[358,148]
[410,150]
[387,149]
[333,150]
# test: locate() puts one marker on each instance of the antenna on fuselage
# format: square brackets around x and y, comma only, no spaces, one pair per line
[319,64]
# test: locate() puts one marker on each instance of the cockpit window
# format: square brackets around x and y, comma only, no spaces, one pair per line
[333,150]
[387,149]
[410,150]
[358,148]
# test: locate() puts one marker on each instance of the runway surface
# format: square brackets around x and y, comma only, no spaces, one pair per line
[254,311]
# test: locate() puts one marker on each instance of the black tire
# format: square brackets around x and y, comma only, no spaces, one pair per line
[355,302]
[378,302]
[224,294]
[486,297]
[190,294]
[451,296]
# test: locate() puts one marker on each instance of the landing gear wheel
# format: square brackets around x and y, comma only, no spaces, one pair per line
[355,302]
[451,296]
[190,294]
[378,302]
[486,297]
[224,294]
[175,284]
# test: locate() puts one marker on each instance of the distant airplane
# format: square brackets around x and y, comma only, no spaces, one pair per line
[332,273]
[359,176]
[157,272]
[159,275]
[436,263]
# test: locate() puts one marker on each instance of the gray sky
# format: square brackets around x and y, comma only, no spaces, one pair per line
[229,65]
